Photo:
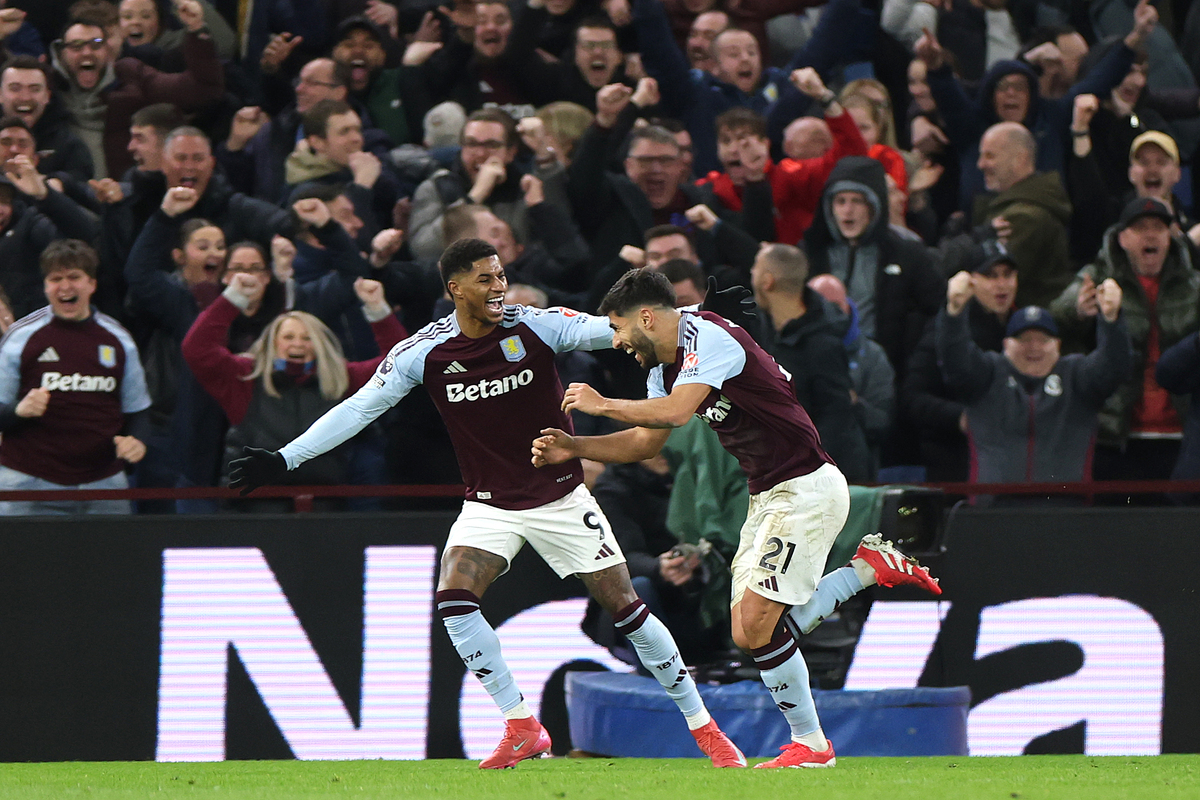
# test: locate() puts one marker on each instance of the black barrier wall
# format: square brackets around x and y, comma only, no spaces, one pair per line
[307,636]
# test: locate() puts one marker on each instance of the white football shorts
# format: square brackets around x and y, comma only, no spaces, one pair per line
[571,534]
[787,536]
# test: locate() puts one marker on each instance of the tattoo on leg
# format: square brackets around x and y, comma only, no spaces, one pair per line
[471,569]
[610,587]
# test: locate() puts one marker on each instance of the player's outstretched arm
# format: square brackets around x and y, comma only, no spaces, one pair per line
[634,444]
[256,467]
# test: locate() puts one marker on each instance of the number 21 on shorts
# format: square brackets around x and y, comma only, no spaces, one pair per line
[775,547]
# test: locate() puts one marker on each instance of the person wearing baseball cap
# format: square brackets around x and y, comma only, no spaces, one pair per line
[1154,170]
[1031,412]
[1105,175]
[1140,425]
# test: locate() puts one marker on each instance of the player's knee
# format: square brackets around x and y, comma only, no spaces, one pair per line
[469,569]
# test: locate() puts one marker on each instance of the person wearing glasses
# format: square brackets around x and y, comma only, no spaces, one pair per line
[261,137]
[614,210]
[484,174]
[102,92]
[596,59]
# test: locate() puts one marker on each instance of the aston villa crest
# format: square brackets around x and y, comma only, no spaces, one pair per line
[513,348]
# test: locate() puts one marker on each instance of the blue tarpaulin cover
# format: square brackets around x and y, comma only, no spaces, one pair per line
[622,714]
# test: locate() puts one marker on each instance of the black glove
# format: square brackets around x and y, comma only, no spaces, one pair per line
[256,468]
[734,304]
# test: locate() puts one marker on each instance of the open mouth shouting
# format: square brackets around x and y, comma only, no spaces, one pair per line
[87,72]
[69,305]
[495,305]
[360,73]
[26,111]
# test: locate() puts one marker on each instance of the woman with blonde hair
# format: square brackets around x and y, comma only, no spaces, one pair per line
[874,120]
[878,94]
[292,374]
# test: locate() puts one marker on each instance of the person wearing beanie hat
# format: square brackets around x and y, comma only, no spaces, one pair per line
[1031,413]
[1140,425]
[396,98]
[927,403]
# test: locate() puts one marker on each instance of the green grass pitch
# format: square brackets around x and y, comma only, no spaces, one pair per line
[1024,778]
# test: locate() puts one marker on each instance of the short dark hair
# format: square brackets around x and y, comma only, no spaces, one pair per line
[69,254]
[497,115]
[249,244]
[459,222]
[12,121]
[638,287]
[597,21]
[680,269]
[658,231]
[189,228]
[28,62]
[316,119]
[669,124]
[97,13]
[739,119]
[651,133]
[163,117]
[459,256]
[325,192]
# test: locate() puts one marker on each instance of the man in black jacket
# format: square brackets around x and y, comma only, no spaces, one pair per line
[188,161]
[804,333]
[931,406]
[614,210]
[25,93]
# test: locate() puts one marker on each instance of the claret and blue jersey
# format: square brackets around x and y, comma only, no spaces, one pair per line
[496,393]
[752,407]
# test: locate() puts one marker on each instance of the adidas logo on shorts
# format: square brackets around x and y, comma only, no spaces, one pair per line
[770,583]
[605,552]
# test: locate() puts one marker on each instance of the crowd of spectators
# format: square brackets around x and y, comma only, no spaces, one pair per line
[967,224]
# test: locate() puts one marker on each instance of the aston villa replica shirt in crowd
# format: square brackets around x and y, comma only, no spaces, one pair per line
[752,405]
[495,393]
[94,377]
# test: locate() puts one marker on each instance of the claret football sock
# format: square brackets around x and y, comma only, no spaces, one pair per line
[784,673]
[479,647]
[835,588]
[658,652]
